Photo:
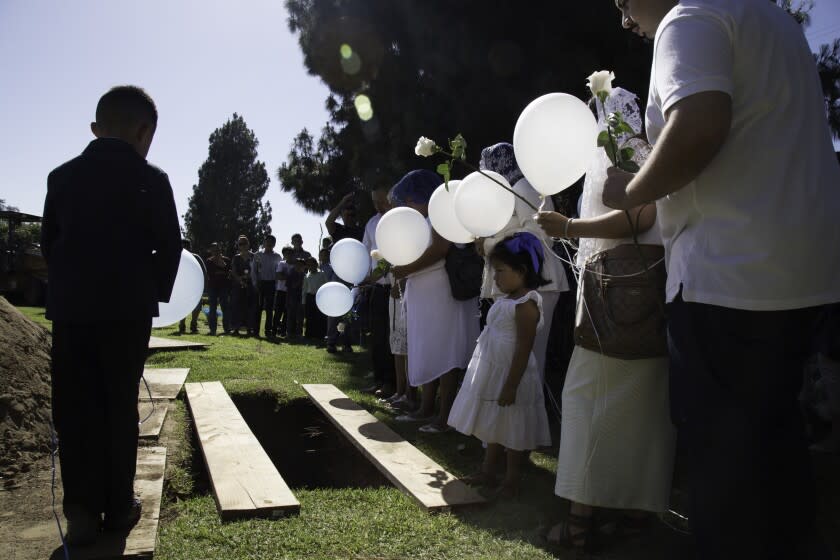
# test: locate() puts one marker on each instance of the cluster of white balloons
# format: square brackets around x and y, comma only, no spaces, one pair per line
[350,261]
[554,141]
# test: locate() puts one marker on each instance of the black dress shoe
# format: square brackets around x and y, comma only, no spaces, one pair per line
[123,520]
[82,529]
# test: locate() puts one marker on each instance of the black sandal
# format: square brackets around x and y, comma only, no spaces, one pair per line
[481,478]
[506,491]
[632,525]
[584,540]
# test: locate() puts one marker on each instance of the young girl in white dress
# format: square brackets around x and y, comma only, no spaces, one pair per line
[501,399]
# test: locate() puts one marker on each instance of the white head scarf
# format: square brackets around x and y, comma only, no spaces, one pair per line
[626,103]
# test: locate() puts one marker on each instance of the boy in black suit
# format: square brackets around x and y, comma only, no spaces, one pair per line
[112,242]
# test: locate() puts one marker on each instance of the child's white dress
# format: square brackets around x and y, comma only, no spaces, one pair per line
[522,425]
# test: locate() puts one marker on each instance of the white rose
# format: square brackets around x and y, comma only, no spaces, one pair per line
[424,147]
[376,255]
[340,327]
[601,81]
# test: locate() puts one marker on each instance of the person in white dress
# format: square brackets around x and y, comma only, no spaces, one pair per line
[617,440]
[501,400]
[441,330]
[500,158]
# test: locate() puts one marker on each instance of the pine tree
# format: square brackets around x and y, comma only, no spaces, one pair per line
[800,9]
[228,199]
[828,64]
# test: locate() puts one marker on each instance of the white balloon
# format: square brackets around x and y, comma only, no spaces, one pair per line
[333,299]
[555,139]
[186,293]
[402,235]
[483,207]
[350,260]
[442,214]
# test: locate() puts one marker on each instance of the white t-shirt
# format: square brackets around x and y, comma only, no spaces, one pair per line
[758,228]
[265,265]
[280,285]
[369,241]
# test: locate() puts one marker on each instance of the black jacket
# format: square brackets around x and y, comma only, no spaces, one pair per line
[110,235]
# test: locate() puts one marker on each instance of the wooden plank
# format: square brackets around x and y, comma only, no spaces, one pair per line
[407,467]
[150,426]
[245,481]
[157,343]
[140,542]
[163,383]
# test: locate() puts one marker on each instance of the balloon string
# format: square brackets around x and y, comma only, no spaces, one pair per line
[478,170]
[577,269]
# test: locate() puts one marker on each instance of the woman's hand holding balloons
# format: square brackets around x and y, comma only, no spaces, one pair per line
[553,223]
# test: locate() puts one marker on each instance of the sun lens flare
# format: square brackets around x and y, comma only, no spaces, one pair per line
[363,107]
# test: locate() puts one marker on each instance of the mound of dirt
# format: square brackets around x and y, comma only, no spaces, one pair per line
[24,392]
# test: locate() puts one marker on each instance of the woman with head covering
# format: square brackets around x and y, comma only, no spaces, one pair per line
[442,331]
[617,441]
[500,158]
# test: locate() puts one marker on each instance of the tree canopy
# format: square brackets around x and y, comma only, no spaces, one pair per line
[401,70]
[228,199]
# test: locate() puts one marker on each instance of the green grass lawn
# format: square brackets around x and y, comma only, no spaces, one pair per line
[363,523]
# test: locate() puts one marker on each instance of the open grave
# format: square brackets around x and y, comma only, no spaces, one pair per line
[304,446]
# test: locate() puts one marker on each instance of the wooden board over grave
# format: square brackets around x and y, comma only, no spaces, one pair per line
[162,383]
[245,481]
[152,415]
[159,344]
[411,470]
[140,542]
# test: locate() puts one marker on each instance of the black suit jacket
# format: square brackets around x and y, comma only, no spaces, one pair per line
[105,214]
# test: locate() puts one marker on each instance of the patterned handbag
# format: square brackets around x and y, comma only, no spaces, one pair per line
[621,306]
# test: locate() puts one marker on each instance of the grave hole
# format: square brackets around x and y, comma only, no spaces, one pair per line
[308,451]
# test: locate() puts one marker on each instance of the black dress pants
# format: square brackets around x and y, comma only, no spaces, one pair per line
[316,322]
[96,369]
[280,313]
[265,303]
[380,344]
[735,379]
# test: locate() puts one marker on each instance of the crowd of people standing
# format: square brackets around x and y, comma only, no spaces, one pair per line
[264,291]
[738,191]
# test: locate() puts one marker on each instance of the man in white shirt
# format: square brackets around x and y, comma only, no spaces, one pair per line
[380,292]
[747,189]
[265,274]
[282,273]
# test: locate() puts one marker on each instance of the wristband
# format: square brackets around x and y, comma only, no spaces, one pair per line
[566,230]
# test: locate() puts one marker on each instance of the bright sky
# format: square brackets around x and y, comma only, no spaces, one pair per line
[201,60]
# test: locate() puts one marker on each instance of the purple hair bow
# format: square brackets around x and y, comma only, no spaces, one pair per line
[524,241]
